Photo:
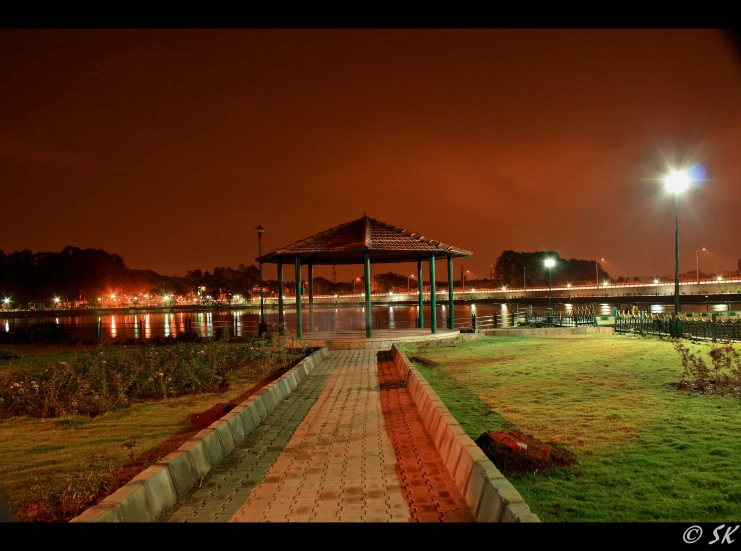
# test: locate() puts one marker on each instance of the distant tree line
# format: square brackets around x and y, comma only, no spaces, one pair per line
[81,276]
[513,269]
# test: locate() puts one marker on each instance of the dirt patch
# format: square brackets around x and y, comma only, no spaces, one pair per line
[424,361]
[513,452]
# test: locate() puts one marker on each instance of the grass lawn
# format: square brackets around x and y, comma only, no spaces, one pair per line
[646,452]
[139,434]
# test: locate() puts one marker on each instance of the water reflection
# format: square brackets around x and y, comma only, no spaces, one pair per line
[243,321]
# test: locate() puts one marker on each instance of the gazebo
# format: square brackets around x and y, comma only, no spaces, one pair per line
[362,241]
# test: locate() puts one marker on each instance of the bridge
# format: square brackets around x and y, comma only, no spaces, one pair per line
[691,291]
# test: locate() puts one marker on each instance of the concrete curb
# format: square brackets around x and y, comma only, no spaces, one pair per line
[489,495]
[156,489]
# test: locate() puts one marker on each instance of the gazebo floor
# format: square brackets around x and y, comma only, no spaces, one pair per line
[380,339]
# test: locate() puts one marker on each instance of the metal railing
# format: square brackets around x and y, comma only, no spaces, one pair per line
[578,317]
[713,327]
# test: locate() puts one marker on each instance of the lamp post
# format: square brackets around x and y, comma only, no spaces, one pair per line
[656,281]
[697,259]
[409,289]
[463,279]
[676,182]
[353,284]
[524,284]
[549,263]
[596,270]
[262,328]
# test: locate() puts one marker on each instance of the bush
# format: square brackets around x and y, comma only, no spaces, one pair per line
[94,382]
[8,354]
[723,378]
[61,497]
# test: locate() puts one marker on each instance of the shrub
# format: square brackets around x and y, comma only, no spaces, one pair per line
[61,497]
[92,383]
[724,377]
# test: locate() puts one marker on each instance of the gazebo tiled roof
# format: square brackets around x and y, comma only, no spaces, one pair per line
[347,244]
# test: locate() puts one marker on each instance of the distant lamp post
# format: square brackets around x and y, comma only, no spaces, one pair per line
[596,270]
[524,283]
[549,263]
[262,326]
[676,182]
[463,280]
[656,282]
[697,259]
[353,284]
[408,287]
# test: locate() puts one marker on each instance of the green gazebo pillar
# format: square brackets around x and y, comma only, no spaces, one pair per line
[433,298]
[420,296]
[311,296]
[368,317]
[299,319]
[451,316]
[281,318]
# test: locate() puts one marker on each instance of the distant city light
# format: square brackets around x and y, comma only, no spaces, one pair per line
[113,296]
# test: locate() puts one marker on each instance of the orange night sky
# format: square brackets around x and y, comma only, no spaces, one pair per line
[168,147]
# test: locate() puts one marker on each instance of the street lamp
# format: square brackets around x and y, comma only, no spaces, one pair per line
[549,263]
[697,259]
[524,284]
[596,270]
[262,328]
[676,182]
[656,281]
[463,280]
[409,289]
[353,284]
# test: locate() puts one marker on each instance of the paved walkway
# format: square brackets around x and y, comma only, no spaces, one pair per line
[347,445]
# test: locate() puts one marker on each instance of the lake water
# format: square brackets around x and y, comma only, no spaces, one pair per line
[241,321]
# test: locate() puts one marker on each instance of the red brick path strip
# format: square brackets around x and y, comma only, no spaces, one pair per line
[431,493]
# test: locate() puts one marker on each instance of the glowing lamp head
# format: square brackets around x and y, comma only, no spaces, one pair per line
[568,285]
[677,181]
[167,297]
[550,263]
[56,300]
[656,281]
[720,278]
[113,296]
[7,300]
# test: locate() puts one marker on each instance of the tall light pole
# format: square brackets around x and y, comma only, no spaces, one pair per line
[676,182]
[549,263]
[596,270]
[353,284]
[408,287]
[697,259]
[262,328]
[524,284]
